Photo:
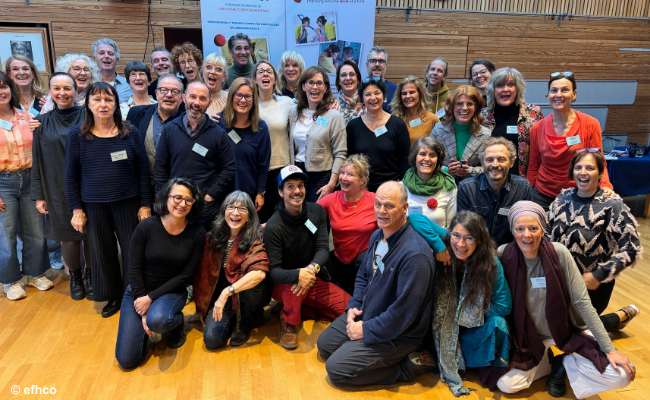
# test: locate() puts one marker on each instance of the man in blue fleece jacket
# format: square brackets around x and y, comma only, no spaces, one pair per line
[390,312]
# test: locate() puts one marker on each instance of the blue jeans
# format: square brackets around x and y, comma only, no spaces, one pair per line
[164,315]
[20,209]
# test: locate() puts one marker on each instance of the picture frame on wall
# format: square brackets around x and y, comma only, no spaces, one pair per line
[31,42]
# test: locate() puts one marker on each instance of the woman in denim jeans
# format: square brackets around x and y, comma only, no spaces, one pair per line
[165,250]
[16,205]
[228,285]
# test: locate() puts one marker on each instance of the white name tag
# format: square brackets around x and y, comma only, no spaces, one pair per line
[570,141]
[415,209]
[380,131]
[538,283]
[415,122]
[33,112]
[310,226]
[6,125]
[322,121]
[441,113]
[504,211]
[512,129]
[198,149]
[118,155]
[234,136]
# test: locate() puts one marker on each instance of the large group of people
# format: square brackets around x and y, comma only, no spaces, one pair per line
[468,230]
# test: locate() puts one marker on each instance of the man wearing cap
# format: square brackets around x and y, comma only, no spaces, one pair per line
[390,313]
[297,244]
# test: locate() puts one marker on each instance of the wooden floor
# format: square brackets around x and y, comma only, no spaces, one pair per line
[51,341]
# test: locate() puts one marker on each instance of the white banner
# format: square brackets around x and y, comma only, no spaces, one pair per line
[262,21]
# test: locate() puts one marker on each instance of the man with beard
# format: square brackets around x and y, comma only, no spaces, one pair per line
[435,76]
[239,47]
[194,147]
[297,244]
[107,54]
[376,66]
[492,193]
[161,64]
[151,119]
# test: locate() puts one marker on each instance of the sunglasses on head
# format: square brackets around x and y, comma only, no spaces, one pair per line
[372,78]
[565,73]
[590,149]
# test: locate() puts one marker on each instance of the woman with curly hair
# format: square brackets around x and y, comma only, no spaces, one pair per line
[188,60]
[412,105]
[85,72]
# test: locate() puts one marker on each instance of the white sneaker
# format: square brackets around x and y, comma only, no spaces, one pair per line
[40,283]
[15,291]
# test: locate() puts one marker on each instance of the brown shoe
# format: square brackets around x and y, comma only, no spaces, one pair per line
[631,311]
[288,335]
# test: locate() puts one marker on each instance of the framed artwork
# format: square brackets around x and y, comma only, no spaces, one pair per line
[32,43]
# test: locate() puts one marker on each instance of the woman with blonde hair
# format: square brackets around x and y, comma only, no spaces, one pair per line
[461,132]
[291,67]
[214,73]
[29,82]
[412,104]
[85,72]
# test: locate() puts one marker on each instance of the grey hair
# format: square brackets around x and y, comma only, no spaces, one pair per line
[493,141]
[377,49]
[64,63]
[171,75]
[287,56]
[500,77]
[403,194]
[238,36]
[160,48]
[106,41]
[431,143]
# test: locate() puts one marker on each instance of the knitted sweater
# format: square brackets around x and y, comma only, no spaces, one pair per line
[600,232]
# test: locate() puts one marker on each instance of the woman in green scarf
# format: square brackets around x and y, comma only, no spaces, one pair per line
[431,191]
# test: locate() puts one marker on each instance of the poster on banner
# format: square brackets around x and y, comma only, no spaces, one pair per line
[326,33]
[262,21]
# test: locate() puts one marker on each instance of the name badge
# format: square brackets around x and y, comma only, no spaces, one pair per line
[234,136]
[118,155]
[504,211]
[310,226]
[512,129]
[380,131]
[538,283]
[415,122]
[33,112]
[415,209]
[441,113]
[380,264]
[6,125]
[570,141]
[198,149]
[322,121]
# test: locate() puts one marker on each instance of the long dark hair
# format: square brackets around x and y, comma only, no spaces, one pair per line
[15,94]
[103,88]
[160,205]
[250,232]
[301,96]
[480,265]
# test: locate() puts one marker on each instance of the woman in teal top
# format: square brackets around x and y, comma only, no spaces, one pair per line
[471,300]
[462,133]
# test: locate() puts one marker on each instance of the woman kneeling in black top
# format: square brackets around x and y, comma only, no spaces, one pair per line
[165,250]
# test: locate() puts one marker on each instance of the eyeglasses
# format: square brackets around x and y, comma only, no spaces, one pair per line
[374,61]
[590,149]
[77,70]
[189,62]
[210,68]
[318,84]
[565,73]
[179,198]
[372,78]
[164,91]
[247,97]
[264,72]
[467,239]
[482,72]
[242,210]
[350,75]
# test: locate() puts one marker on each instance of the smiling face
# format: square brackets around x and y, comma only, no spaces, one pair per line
[20,73]
[497,163]
[139,82]
[373,98]
[464,109]
[462,242]
[240,104]
[197,100]
[389,211]
[528,235]
[168,103]
[376,64]
[291,72]
[315,89]
[561,94]
[436,73]
[240,52]
[264,77]
[5,96]
[214,75]
[506,92]
[179,210]
[586,175]
[80,71]
[410,96]
[161,63]
[188,67]
[102,105]
[348,80]
[480,77]
[62,91]
[106,58]
[350,180]
[425,163]
[236,216]
[293,194]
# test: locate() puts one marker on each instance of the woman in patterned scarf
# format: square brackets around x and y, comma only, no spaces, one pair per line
[348,77]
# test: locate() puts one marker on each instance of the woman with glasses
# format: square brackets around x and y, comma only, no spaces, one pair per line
[291,67]
[508,115]
[249,137]
[188,60]
[84,71]
[214,75]
[165,251]
[480,72]
[412,104]
[317,134]
[471,301]
[347,81]
[229,287]
[555,139]
[274,110]
[382,137]
[599,231]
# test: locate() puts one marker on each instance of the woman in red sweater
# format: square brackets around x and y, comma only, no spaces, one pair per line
[554,140]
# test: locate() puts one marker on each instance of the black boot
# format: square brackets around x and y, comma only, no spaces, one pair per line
[177,336]
[77,291]
[241,334]
[89,284]
[556,381]
[111,308]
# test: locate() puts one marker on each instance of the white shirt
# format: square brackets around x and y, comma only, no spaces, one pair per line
[442,214]
[300,133]
[126,106]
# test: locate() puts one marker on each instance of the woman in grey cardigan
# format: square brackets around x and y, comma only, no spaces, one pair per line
[48,178]
[317,134]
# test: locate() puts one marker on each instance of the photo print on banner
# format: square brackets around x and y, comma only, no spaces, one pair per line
[314,27]
[333,54]
[259,51]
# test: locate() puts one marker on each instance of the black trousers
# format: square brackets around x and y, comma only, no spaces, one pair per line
[344,275]
[600,300]
[350,362]
[542,199]
[271,197]
[105,222]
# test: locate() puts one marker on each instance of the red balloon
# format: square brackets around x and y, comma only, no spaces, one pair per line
[220,40]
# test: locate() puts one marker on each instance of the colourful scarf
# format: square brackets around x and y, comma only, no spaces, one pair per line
[440,180]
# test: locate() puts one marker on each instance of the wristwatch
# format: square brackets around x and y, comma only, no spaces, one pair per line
[261,193]
[315,267]
[231,289]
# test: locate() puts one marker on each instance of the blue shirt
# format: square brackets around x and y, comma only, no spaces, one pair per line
[475,194]
[122,87]
[390,92]
[158,125]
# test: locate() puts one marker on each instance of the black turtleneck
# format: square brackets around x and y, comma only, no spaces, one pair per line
[504,117]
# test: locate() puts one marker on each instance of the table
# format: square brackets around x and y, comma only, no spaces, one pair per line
[631,177]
